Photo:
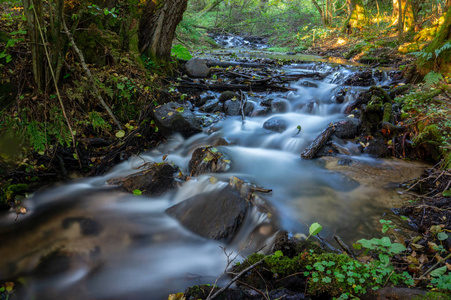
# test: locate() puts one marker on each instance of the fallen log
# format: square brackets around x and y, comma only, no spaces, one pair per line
[236,87]
[226,64]
[311,150]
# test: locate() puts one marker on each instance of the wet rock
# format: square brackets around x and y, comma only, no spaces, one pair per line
[345,161]
[388,293]
[326,150]
[347,129]
[361,78]
[280,106]
[276,124]
[155,180]
[215,215]
[173,117]
[227,95]
[306,107]
[266,102]
[308,84]
[197,68]
[202,291]
[207,160]
[339,95]
[212,106]
[200,100]
[221,142]
[232,108]
[261,111]
[286,294]
[377,148]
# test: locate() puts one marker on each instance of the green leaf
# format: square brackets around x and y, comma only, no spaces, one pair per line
[137,192]
[442,236]
[447,193]
[120,134]
[439,272]
[278,253]
[315,228]
[397,248]
[385,241]
[180,109]
[120,86]
[404,218]
[2,289]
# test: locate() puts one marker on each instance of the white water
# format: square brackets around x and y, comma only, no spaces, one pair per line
[140,252]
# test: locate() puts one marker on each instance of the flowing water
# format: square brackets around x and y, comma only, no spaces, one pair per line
[87,240]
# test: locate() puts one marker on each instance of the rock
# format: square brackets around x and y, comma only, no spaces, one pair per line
[306,107]
[207,160]
[232,108]
[197,68]
[389,293]
[173,117]
[308,84]
[339,95]
[326,150]
[377,148]
[276,124]
[347,129]
[155,180]
[215,215]
[261,111]
[361,78]
[221,142]
[266,102]
[227,95]
[280,106]
[212,106]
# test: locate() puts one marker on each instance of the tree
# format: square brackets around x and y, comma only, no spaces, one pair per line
[356,15]
[439,50]
[157,27]
[326,14]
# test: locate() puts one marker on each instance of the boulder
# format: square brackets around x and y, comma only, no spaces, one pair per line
[207,160]
[227,95]
[280,106]
[347,129]
[261,111]
[197,68]
[276,124]
[232,108]
[212,106]
[213,215]
[377,148]
[153,181]
[173,117]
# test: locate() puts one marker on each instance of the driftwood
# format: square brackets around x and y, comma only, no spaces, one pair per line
[311,150]
[230,87]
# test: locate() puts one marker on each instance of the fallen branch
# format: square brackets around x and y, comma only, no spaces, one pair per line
[311,150]
[235,279]
[88,73]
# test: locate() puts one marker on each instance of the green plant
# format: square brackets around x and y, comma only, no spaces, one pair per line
[386,225]
[181,52]
[432,78]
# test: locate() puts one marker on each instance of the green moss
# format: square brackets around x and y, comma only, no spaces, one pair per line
[8,191]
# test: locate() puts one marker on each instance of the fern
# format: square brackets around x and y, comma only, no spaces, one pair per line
[37,136]
[443,48]
[432,78]
[97,121]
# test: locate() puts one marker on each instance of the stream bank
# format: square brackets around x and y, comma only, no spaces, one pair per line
[263,152]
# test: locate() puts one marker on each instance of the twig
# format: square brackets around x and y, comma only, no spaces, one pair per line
[88,72]
[253,288]
[235,279]
[345,247]
[435,266]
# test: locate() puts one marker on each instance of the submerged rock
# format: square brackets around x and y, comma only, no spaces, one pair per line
[276,124]
[208,160]
[280,106]
[308,84]
[155,180]
[197,68]
[361,78]
[214,215]
[173,117]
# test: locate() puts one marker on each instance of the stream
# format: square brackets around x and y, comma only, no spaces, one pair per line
[87,240]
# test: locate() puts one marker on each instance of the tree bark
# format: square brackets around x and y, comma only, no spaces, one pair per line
[356,16]
[157,27]
[320,10]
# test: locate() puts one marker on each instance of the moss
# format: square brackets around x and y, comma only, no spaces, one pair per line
[433,296]
[8,192]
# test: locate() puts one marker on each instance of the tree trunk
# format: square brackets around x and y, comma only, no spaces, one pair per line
[320,10]
[356,16]
[400,22]
[157,27]
[440,50]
